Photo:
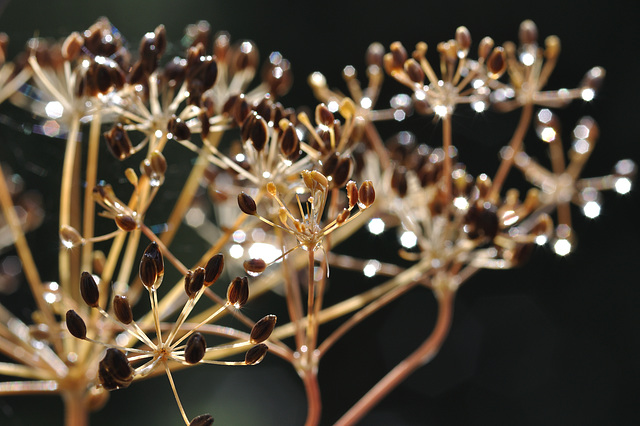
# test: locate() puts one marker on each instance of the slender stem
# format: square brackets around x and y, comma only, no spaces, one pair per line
[65,201]
[89,205]
[446,145]
[75,411]
[515,145]
[314,402]
[425,352]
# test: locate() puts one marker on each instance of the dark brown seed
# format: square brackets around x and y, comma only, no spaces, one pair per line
[277,74]
[342,216]
[343,171]
[398,54]
[126,222]
[366,194]
[258,133]
[324,116]
[114,371]
[70,236]
[413,70]
[203,117]
[256,354]
[72,46]
[254,267]
[289,141]
[330,163]
[122,309]
[152,266]
[195,349]
[103,78]
[374,54]
[247,204]
[138,74]
[263,329]
[221,45]
[118,142]
[89,290]
[481,221]
[194,281]
[238,292]
[497,63]
[352,193]
[202,420]
[76,325]
[399,181]
[161,39]
[178,128]
[209,72]
[213,269]
[463,39]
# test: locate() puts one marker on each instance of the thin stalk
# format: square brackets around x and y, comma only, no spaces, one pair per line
[421,356]
[75,410]
[515,145]
[89,205]
[314,402]
[446,145]
[65,201]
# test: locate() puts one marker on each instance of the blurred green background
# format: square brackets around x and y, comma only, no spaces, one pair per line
[554,342]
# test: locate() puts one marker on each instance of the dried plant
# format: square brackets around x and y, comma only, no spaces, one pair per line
[266,180]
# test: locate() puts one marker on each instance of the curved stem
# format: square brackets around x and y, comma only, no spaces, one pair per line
[314,403]
[75,411]
[400,372]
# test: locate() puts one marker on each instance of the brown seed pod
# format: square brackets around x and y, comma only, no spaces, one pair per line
[528,32]
[352,193]
[256,354]
[343,216]
[247,204]
[114,371]
[152,266]
[463,40]
[70,236]
[263,329]
[413,70]
[343,171]
[195,349]
[213,269]
[118,142]
[259,133]
[126,222]
[202,420]
[122,309]
[324,116]
[254,267]
[72,46]
[238,292]
[485,47]
[289,141]
[89,290]
[398,55]
[194,281]
[76,325]
[497,63]
[366,194]
[178,128]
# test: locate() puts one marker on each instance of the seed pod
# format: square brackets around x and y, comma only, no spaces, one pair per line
[343,216]
[497,63]
[254,267]
[72,46]
[343,171]
[463,40]
[238,292]
[89,290]
[593,78]
[528,32]
[399,181]
[194,281]
[485,47]
[126,222]
[552,47]
[122,309]
[118,142]
[114,371]
[70,236]
[178,128]
[76,325]
[213,269]
[259,133]
[152,266]
[202,420]
[195,349]
[263,329]
[352,193]
[247,204]
[398,54]
[413,70]
[289,141]
[366,194]
[256,354]
[481,221]
[324,116]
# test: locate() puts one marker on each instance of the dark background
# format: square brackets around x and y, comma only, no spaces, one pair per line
[554,342]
